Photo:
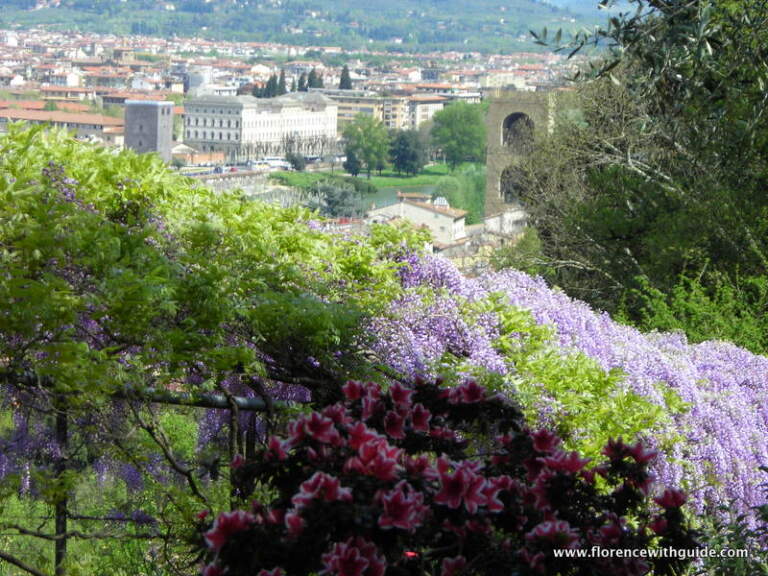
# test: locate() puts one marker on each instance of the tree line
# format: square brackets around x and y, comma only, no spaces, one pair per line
[455,134]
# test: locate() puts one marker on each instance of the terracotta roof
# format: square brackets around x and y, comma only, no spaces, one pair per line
[65,89]
[412,195]
[452,212]
[60,117]
[71,106]
[40,105]
[434,85]
[23,104]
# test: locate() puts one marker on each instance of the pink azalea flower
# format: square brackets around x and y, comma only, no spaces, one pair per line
[393,425]
[492,489]
[337,413]
[371,405]
[226,525]
[376,458]
[321,429]
[321,485]
[461,485]
[612,532]
[401,510]
[360,434]
[296,433]
[469,392]
[420,467]
[567,462]
[545,441]
[452,566]
[276,449]
[355,557]
[401,395]
[352,390]
[294,523]
[558,533]
[420,418]
[373,390]
[615,449]
[441,433]
[672,498]
[641,454]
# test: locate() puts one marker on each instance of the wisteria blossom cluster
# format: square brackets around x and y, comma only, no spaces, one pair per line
[725,425]
[428,479]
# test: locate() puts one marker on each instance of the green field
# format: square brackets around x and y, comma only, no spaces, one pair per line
[430,176]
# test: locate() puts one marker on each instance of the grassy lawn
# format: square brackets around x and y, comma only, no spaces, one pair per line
[388,179]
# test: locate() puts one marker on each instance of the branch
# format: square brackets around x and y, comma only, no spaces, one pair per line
[159,438]
[19,564]
[79,535]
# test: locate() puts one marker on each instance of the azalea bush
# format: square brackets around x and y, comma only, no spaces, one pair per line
[427,479]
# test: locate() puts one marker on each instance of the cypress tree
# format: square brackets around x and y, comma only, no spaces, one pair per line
[346,82]
[312,79]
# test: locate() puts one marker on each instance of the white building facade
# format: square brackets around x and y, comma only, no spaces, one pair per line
[245,128]
[446,224]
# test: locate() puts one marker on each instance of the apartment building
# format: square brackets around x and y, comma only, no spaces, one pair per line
[244,127]
[90,127]
[396,112]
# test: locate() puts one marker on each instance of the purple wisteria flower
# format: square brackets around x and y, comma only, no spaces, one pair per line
[725,427]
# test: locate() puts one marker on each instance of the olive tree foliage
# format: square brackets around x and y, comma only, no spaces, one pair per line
[660,169]
[335,200]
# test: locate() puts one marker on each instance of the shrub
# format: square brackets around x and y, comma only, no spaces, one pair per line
[425,479]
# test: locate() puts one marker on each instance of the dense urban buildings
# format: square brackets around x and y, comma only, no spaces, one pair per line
[93,85]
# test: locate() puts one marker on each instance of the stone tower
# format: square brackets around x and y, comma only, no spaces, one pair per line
[515,119]
[149,127]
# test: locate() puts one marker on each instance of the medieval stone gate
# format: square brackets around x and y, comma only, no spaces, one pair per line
[514,121]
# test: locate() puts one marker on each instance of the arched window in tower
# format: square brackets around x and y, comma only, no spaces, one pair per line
[517,133]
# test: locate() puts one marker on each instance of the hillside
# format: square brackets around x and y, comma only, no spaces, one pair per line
[408,25]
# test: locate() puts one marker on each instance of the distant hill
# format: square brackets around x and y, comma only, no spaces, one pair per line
[407,25]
